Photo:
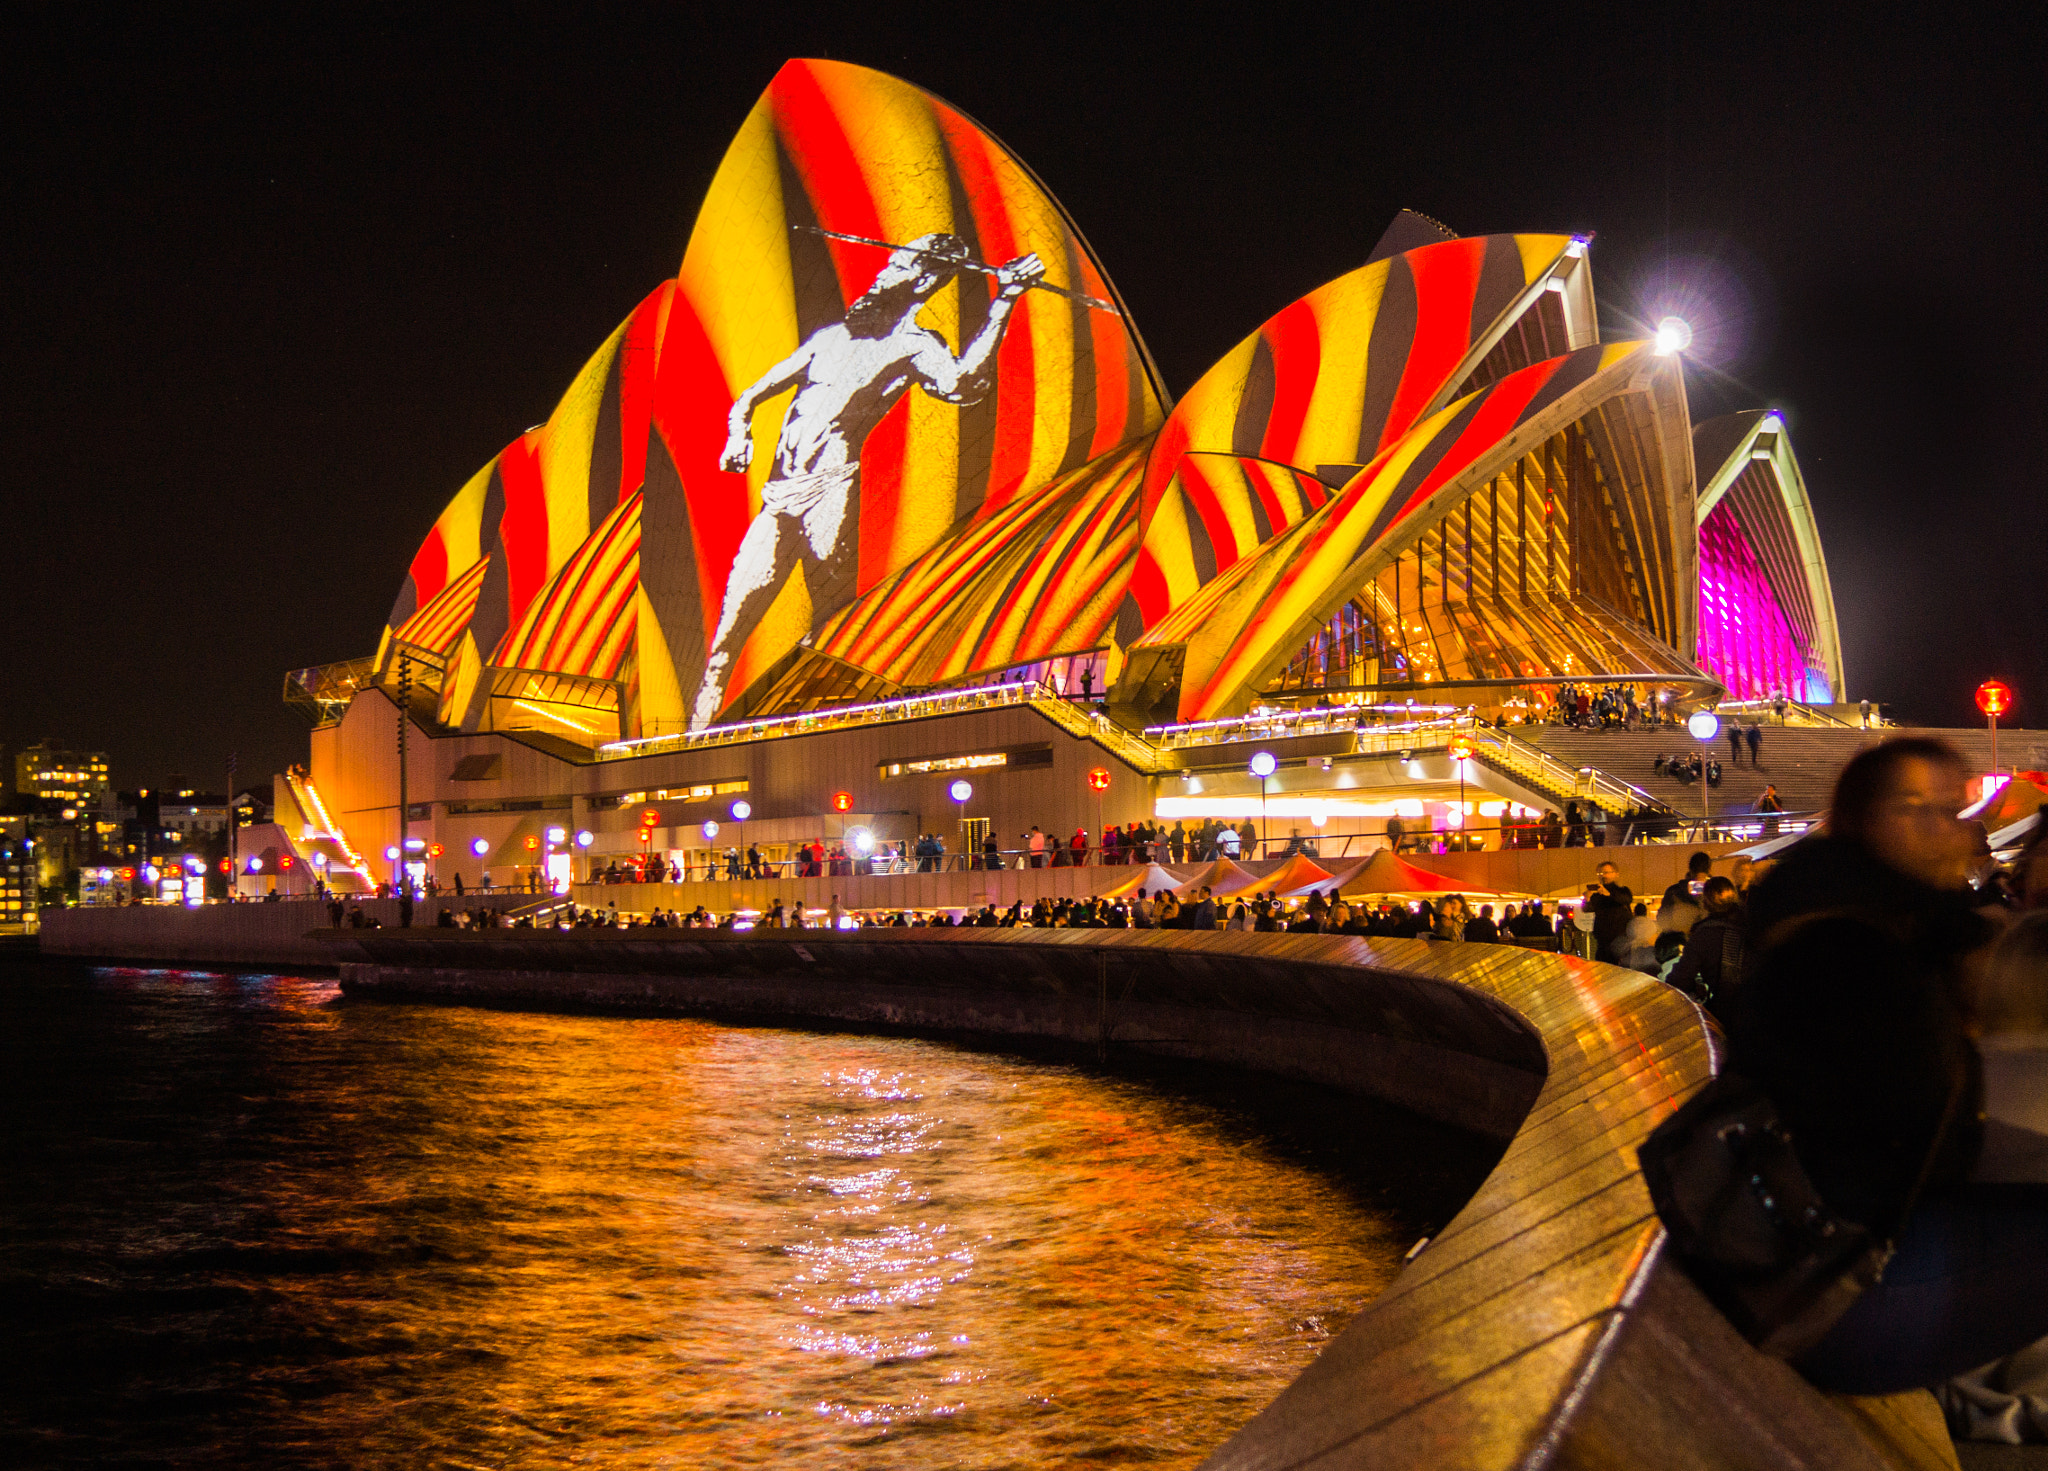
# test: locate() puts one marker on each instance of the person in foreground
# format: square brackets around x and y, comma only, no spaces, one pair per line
[1855,1016]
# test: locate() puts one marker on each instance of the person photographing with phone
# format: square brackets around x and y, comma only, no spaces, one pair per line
[1612,905]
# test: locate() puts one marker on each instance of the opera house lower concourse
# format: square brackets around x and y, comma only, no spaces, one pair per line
[882,493]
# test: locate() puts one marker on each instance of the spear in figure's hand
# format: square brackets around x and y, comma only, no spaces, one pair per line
[968,263]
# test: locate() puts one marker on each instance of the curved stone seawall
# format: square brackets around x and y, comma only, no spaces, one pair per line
[229,934]
[1541,1328]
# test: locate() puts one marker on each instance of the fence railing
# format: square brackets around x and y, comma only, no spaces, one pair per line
[911,707]
[1520,758]
[1091,725]
[1791,713]
[1286,724]
[705,865]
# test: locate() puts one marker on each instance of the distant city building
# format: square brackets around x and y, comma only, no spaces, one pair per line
[50,772]
[180,814]
[17,874]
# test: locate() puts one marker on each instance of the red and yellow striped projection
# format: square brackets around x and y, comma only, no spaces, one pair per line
[1241,625]
[891,413]
[1323,387]
[831,151]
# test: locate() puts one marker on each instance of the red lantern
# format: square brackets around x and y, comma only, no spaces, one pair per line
[227,865]
[1461,749]
[1098,779]
[285,863]
[434,850]
[531,842]
[650,818]
[842,801]
[1994,698]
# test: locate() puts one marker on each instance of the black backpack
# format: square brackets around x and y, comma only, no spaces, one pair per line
[1748,1224]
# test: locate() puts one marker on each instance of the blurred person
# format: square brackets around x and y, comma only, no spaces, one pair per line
[2029,876]
[1637,946]
[1853,1017]
[1450,918]
[2006,1400]
[1480,928]
[1612,905]
[1710,970]
[2011,1011]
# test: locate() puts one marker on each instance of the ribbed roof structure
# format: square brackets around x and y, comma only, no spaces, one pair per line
[890,427]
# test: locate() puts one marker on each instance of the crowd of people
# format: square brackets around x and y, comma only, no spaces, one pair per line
[1603,707]
[1321,911]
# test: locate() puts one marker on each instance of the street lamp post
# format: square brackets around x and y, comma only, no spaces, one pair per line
[1994,698]
[960,791]
[1098,783]
[404,809]
[1461,752]
[1703,726]
[1263,766]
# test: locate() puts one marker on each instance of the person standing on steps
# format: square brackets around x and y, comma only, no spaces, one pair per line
[1734,743]
[1770,804]
[1756,743]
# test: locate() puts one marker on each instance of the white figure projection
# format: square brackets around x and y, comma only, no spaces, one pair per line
[847,377]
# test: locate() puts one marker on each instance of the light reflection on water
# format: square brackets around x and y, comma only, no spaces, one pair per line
[253,1224]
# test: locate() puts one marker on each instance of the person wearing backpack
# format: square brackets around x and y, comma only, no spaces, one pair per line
[1854,1093]
[1710,970]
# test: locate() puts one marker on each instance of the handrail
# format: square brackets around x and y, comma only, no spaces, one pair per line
[1090,725]
[1808,713]
[808,722]
[1272,724]
[1522,758]
[309,801]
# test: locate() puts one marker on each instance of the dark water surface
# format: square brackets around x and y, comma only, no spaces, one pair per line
[246,1223]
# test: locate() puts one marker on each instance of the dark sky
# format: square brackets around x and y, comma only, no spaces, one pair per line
[279,281]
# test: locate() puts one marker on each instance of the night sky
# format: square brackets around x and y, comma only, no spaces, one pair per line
[279,282]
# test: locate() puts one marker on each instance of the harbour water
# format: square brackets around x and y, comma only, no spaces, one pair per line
[245,1222]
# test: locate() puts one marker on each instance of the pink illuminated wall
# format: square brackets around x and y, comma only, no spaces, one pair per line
[1746,641]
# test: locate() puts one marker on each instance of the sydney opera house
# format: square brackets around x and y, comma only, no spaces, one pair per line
[883,491]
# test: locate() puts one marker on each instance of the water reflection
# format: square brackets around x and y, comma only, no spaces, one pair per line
[250,1224]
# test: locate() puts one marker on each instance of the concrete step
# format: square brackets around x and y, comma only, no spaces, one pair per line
[1802,761]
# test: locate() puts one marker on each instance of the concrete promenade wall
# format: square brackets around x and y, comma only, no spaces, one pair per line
[226,934]
[1542,1327]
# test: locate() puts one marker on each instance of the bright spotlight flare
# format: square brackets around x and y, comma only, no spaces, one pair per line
[1674,334]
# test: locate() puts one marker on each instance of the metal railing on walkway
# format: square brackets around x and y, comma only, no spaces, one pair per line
[1092,725]
[772,727]
[1516,757]
[1275,725]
